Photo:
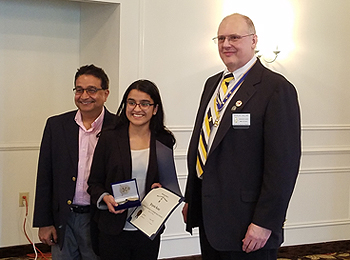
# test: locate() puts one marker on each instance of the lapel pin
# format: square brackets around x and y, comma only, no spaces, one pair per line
[238,103]
[233,108]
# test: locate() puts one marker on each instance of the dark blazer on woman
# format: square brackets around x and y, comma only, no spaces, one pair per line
[250,173]
[112,163]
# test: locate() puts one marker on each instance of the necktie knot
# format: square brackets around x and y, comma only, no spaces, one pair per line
[228,78]
[225,82]
[230,75]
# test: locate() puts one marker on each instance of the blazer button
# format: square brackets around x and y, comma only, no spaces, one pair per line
[74,179]
[69,202]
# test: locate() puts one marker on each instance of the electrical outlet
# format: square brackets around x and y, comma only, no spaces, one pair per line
[22,201]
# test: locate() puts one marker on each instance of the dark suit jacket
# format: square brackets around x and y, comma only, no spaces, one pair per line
[112,163]
[58,169]
[250,173]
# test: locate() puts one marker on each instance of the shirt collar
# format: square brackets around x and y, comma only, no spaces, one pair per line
[96,125]
[237,73]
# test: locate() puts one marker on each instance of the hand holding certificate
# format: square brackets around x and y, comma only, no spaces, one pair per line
[155,208]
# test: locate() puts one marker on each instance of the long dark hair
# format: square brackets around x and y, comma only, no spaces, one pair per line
[157,120]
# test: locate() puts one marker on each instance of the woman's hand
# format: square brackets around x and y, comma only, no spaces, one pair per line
[156,185]
[110,202]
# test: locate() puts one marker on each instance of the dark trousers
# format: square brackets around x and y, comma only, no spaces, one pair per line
[128,245]
[77,240]
[209,253]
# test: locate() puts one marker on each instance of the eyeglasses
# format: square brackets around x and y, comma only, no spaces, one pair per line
[90,91]
[231,38]
[144,105]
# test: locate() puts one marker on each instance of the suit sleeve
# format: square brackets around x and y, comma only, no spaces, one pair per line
[282,150]
[43,198]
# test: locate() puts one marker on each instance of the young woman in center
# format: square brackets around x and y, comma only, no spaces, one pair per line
[128,151]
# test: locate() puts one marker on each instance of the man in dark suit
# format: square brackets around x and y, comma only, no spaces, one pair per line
[62,204]
[244,153]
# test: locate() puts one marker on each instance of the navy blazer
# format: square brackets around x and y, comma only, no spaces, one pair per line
[58,169]
[249,174]
[112,163]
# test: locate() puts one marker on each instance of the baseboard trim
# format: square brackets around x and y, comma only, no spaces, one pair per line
[284,252]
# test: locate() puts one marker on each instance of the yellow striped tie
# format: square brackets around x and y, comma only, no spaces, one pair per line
[202,152]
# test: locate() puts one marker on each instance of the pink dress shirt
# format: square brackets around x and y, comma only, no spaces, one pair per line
[87,143]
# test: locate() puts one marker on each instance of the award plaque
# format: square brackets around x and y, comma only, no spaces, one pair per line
[126,194]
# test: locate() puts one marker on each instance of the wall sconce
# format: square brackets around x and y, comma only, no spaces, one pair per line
[276,52]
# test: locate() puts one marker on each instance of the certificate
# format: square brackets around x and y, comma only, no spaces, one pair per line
[126,194]
[154,210]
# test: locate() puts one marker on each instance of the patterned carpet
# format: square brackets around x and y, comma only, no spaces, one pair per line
[321,251]
[343,256]
[327,250]
[295,256]
[340,255]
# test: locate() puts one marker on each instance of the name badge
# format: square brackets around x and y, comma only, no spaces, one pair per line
[241,120]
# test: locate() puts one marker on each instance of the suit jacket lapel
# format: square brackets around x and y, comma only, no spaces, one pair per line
[71,135]
[244,93]
[125,154]
[208,91]
[124,148]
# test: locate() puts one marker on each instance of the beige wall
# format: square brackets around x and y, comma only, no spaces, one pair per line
[169,42]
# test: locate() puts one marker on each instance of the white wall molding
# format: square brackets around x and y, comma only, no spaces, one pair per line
[182,176]
[181,153]
[326,150]
[316,127]
[179,128]
[19,147]
[325,170]
[178,236]
[314,224]
[324,127]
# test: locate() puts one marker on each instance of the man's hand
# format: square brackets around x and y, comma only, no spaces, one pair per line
[184,212]
[110,201]
[48,235]
[255,238]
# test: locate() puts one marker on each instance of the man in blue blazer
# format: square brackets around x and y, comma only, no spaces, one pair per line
[244,153]
[62,204]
